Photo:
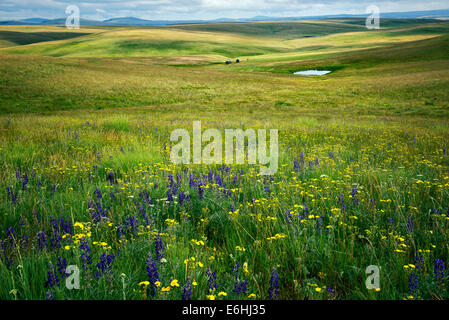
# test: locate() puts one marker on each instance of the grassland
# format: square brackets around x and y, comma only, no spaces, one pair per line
[363,176]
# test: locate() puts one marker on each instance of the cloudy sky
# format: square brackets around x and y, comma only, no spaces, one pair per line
[203,9]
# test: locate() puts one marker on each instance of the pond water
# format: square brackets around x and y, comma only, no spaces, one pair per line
[313,72]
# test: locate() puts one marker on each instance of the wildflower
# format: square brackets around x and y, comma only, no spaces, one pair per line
[165,289]
[86,258]
[438,270]
[12,195]
[210,297]
[153,273]
[222,294]
[25,181]
[97,193]
[41,240]
[52,277]
[212,280]
[104,266]
[159,248]
[174,283]
[296,165]
[419,262]
[49,295]
[62,266]
[200,191]
[273,292]
[354,193]
[187,290]
[413,283]
[239,286]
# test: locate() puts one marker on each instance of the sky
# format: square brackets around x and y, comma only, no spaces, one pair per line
[204,9]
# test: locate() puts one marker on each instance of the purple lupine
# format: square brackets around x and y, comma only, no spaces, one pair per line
[52,277]
[62,266]
[41,240]
[438,270]
[200,191]
[131,223]
[65,226]
[341,199]
[49,295]
[11,234]
[105,265]
[239,286]
[98,213]
[354,193]
[212,280]
[419,262]
[158,248]
[25,181]
[330,292]
[97,193]
[111,177]
[413,283]
[169,196]
[12,195]
[273,292]
[153,274]
[288,216]
[55,239]
[181,197]
[301,159]
[296,165]
[187,290]
[86,258]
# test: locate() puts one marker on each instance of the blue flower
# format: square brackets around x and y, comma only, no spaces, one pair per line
[86,258]
[413,283]
[212,277]
[52,277]
[105,265]
[158,248]
[153,274]
[41,240]
[438,270]
[187,290]
[273,292]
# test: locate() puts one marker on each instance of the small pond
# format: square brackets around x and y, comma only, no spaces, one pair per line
[313,72]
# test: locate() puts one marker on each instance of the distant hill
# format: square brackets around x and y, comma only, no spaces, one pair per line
[132,21]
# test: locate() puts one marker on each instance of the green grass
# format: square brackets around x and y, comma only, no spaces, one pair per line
[22,38]
[372,134]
